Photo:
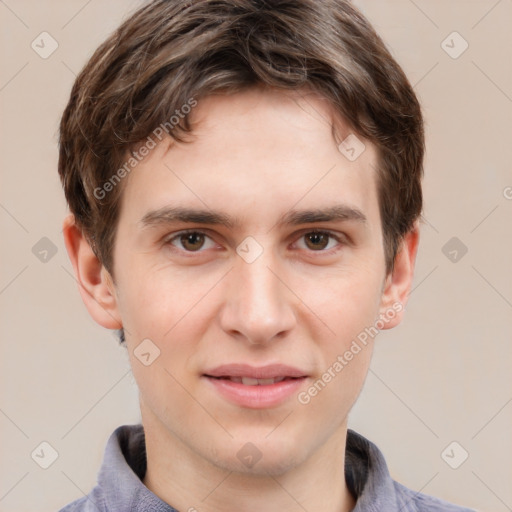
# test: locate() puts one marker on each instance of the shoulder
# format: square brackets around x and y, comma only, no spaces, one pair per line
[413,501]
[93,502]
[76,506]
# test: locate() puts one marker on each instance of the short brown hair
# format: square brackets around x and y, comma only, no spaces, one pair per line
[170,51]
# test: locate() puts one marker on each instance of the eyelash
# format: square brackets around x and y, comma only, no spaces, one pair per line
[331,235]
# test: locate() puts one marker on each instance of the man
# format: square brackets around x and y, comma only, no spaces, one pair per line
[244,180]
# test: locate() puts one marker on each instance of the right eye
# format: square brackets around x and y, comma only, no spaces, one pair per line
[190,240]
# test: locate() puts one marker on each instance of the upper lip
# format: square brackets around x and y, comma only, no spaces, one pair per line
[262,372]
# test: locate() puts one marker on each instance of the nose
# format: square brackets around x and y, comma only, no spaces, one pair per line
[259,307]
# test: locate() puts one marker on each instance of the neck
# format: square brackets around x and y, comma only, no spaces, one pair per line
[189,482]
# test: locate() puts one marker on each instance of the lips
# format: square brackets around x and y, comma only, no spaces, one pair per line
[249,381]
[263,387]
[255,376]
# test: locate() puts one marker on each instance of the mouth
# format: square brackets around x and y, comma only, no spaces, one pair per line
[250,381]
[256,387]
[255,376]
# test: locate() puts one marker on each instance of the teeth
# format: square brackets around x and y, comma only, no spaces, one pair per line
[265,382]
[249,381]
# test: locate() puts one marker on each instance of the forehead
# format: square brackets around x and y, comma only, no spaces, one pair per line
[256,154]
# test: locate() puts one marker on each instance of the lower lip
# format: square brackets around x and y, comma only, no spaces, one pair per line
[256,397]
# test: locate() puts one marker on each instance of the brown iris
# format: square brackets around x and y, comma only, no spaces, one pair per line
[192,241]
[319,240]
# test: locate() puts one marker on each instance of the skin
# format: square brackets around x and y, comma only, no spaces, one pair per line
[254,156]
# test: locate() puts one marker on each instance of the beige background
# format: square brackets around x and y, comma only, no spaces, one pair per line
[443,375]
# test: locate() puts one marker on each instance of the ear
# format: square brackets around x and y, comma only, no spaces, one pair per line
[398,283]
[95,283]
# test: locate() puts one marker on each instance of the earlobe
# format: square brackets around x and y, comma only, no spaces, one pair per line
[95,283]
[398,283]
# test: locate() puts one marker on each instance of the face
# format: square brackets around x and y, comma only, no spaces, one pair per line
[254,286]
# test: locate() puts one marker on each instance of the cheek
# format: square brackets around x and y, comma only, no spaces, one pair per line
[163,323]
[349,308]
[155,301]
[174,312]
[346,301]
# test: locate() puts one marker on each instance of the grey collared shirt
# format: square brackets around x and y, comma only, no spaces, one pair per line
[120,487]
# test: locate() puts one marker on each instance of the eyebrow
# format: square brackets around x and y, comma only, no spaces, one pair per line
[170,214]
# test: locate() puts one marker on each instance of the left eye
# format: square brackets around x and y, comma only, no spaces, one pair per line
[318,241]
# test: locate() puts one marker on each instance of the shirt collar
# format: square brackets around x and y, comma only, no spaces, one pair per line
[124,467]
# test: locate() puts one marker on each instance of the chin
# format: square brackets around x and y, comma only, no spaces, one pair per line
[274,465]
[259,456]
